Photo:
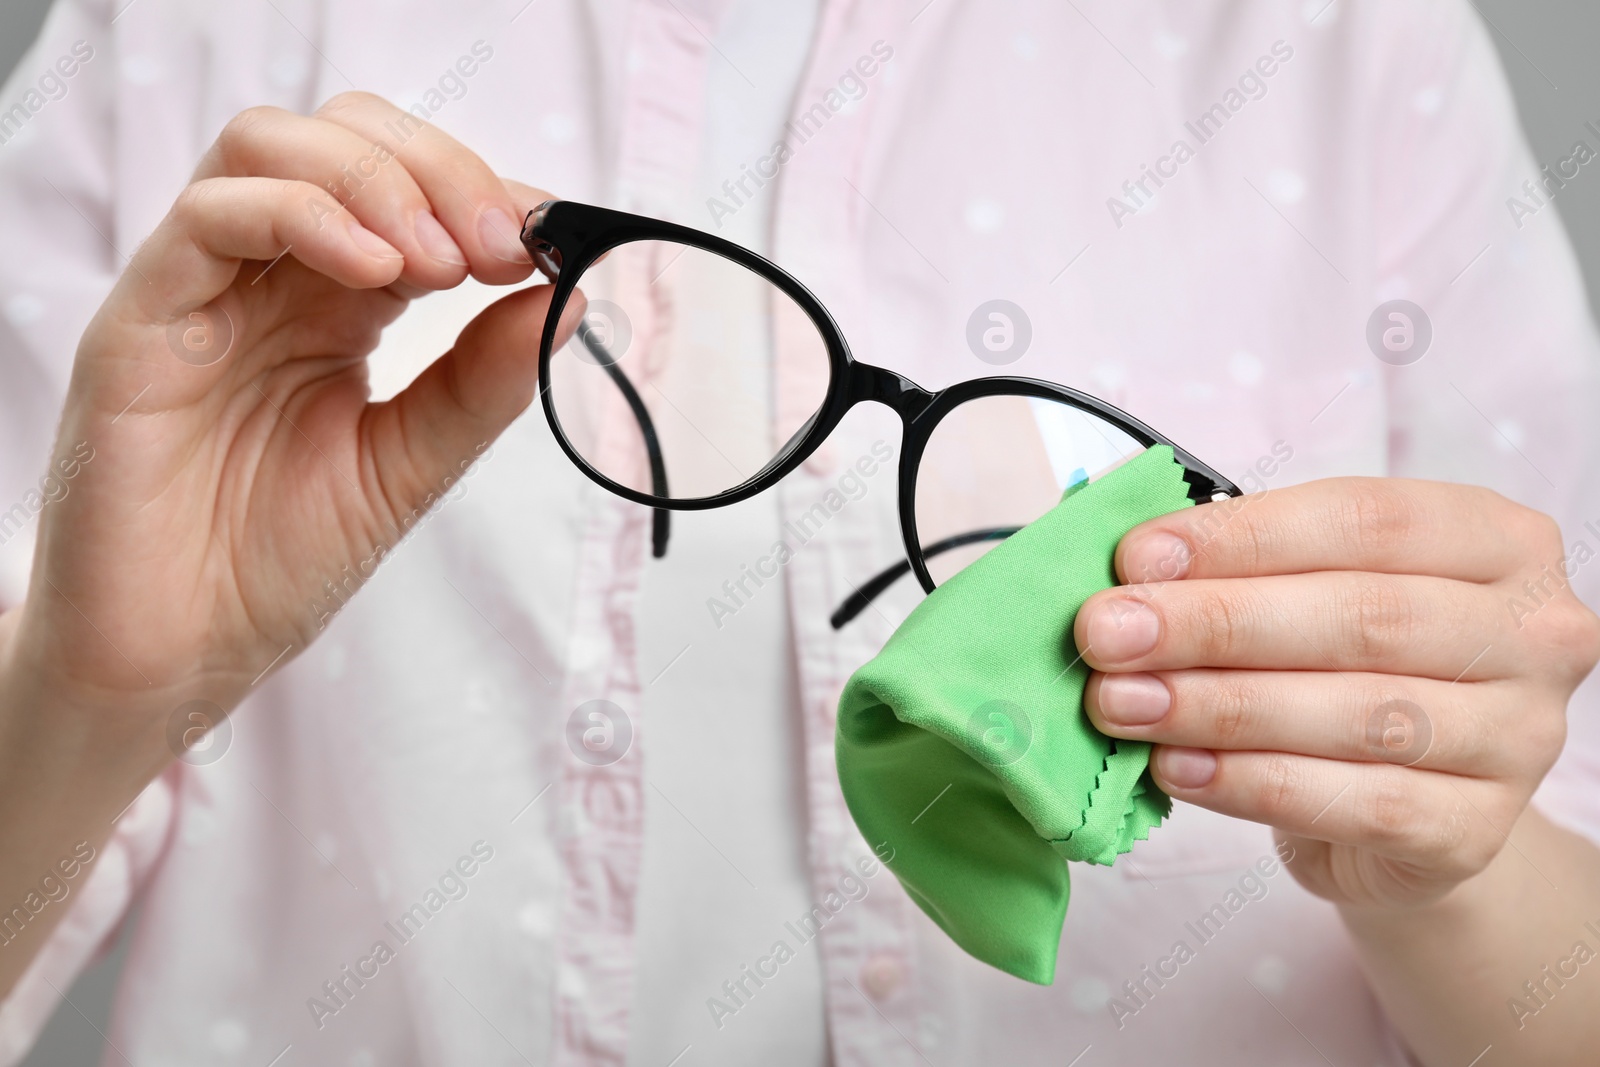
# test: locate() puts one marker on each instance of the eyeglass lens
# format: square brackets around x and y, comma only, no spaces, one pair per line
[707,383]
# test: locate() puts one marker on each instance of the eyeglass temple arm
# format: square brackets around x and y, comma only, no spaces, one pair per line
[874,587]
[1202,489]
[660,528]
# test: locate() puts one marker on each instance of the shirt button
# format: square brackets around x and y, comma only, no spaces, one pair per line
[882,976]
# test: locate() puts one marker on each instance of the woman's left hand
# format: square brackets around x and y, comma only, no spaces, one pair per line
[1377,668]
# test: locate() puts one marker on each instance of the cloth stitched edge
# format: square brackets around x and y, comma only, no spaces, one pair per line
[975,813]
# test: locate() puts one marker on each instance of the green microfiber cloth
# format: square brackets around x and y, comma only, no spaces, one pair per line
[964,752]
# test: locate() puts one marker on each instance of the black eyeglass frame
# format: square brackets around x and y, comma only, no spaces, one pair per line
[565,238]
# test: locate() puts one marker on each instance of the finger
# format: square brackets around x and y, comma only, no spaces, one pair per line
[361,174]
[439,424]
[1422,817]
[477,209]
[526,197]
[195,253]
[1373,524]
[1356,717]
[1329,620]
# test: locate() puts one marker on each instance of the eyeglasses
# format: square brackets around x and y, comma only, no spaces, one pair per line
[640,399]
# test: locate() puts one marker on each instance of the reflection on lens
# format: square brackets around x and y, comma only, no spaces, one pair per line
[995,464]
[688,374]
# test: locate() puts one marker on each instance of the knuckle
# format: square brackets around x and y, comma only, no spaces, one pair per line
[1224,532]
[1222,625]
[193,202]
[1549,534]
[1575,636]
[1491,503]
[1390,817]
[237,140]
[1537,531]
[1457,844]
[1562,635]
[348,101]
[1281,782]
[1587,639]
[1253,539]
[1234,702]
[1532,537]
[1370,697]
[1546,737]
[1378,517]
[1380,619]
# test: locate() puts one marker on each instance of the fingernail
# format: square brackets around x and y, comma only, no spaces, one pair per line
[435,240]
[1186,768]
[501,236]
[1156,557]
[371,243]
[1122,629]
[1133,699]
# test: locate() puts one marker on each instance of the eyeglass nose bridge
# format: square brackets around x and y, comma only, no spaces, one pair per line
[893,390]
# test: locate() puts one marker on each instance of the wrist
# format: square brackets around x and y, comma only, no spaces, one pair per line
[68,770]
[52,723]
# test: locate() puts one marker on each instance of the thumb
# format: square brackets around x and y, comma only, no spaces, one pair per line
[440,423]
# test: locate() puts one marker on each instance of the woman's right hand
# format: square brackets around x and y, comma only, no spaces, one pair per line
[221,390]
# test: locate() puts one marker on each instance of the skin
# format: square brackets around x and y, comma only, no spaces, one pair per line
[220,498]
[1260,648]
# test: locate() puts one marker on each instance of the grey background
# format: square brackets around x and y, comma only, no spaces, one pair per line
[1547,51]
